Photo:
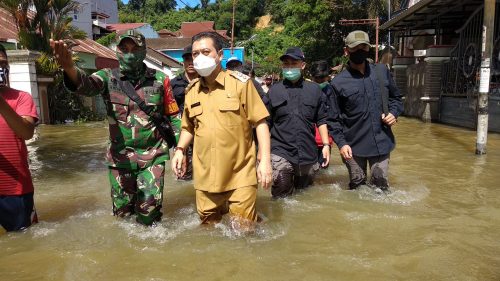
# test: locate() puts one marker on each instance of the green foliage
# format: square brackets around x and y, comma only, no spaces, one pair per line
[268,45]
[107,40]
[50,20]
[66,106]
[312,25]
[247,13]
[46,65]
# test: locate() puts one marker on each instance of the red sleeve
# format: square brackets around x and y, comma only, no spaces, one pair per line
[26,106]
[171,107]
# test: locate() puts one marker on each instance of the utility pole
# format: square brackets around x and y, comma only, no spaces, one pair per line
[232,27]
[484,76]
[388,19]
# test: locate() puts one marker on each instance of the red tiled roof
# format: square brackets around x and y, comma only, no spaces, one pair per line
[8,28]
[91,47]
[190,29]
[167,43]
[124,26]
[223,33]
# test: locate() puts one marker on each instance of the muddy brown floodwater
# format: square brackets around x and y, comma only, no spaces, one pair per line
[441,222]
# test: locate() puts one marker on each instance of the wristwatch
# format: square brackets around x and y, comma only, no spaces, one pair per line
[180,148]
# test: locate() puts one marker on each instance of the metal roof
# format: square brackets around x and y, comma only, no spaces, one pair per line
[427,14]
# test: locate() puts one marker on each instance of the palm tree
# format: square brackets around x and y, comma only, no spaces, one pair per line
[39,20]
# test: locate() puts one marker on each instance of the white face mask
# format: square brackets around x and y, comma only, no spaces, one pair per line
[204,65]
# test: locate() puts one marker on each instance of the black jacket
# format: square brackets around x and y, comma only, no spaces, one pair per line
[294,110]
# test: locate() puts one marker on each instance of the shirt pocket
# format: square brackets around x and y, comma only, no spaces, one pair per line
[119,104]
[279,110]
[153,96]
[309,109]
[195,113]
[230,110]
[354,102]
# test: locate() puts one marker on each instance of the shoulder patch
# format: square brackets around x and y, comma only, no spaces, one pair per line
[240,76]
[191,84]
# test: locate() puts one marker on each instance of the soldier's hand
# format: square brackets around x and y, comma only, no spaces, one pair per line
[62,54]
[178,164]
[389,120]
[265,174]
[346,152]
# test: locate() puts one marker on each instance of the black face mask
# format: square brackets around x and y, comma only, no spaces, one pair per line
[359,56]
[4,76]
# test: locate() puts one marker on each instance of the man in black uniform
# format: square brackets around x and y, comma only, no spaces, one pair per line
[179,84]
[295,106]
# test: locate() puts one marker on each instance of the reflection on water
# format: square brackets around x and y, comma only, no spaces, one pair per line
[440,222]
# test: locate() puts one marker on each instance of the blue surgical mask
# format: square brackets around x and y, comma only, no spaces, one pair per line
[292,74]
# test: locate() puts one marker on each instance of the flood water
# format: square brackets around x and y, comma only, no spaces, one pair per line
[441,222]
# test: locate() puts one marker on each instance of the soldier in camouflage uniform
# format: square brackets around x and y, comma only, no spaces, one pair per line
[136,153]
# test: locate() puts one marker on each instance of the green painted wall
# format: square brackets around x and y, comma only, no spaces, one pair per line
[87,61]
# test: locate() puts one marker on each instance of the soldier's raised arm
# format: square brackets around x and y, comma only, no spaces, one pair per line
[76,80]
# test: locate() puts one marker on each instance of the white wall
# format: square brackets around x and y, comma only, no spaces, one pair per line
[23,77]
[108,7]
[84,17]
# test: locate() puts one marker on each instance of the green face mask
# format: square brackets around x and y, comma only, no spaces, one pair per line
[292,74]
[131,63]
[323,85]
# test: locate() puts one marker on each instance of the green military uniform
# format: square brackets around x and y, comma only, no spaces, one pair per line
[136,153]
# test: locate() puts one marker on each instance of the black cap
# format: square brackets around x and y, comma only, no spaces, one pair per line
[187,51]
[294,53]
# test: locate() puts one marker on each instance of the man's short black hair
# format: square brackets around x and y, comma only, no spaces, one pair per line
[320,69]
[216,38]
[3,50]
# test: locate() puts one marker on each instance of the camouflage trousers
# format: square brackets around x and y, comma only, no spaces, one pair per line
[138,192]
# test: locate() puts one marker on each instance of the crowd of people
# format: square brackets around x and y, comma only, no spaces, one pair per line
[226,131]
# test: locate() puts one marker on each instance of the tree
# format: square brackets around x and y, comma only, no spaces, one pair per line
[204,3]
[50,19]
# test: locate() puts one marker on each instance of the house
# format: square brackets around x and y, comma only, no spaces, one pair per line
[162,62]
[173,43]
[441,44]
[145,28]
[94,15]
[23,75]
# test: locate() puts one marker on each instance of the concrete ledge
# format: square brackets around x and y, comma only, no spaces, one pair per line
[22,56]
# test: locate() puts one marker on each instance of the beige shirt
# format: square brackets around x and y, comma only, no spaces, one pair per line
[221,117]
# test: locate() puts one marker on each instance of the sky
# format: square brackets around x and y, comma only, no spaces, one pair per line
[191,3]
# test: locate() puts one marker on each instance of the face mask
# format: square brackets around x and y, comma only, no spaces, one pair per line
[4,76]
[359,56]
[323,85]
[131,63]
[292,74]
[204,65]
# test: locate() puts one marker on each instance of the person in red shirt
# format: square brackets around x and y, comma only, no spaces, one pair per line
[18,116]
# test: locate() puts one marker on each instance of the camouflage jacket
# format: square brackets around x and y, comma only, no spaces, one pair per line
[134,141]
